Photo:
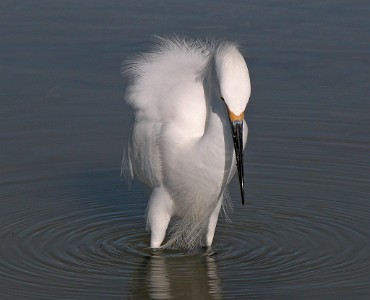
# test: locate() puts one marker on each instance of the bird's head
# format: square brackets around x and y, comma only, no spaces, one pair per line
[235,89]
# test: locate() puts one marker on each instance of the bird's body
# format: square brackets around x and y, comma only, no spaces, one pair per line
[181,145]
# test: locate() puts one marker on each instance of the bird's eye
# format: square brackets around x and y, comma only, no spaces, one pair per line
[222,98]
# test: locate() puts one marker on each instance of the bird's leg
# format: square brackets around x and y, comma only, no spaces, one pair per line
[212,224]
[160,209]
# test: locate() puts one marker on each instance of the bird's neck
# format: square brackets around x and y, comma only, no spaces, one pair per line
[215,107]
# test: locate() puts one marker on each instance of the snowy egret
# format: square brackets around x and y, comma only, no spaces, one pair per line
[188,134]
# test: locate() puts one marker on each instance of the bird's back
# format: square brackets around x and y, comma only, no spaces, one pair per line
[164,88]
[152,75]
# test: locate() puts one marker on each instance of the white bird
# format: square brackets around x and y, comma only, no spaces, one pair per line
[188,133]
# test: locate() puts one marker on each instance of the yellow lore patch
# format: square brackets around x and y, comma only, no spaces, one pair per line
[234,117]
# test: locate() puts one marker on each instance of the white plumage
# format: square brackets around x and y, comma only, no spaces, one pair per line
[189,99]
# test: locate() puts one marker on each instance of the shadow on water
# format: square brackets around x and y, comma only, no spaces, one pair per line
[174,276]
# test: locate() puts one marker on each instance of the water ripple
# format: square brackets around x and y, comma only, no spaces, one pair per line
[319,244]
[92,244]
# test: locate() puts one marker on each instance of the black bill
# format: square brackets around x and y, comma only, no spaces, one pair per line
[237,131]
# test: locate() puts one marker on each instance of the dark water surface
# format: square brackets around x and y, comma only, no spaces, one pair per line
[70,228]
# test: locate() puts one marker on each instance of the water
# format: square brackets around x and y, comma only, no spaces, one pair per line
[70,228]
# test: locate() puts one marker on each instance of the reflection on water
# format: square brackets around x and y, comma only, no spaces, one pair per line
[177,277]
[79,238]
